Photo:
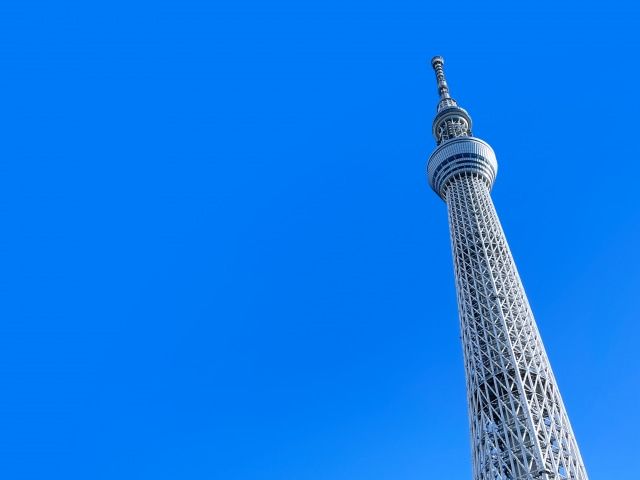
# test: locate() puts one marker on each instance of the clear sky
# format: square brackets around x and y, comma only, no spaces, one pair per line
[220,258]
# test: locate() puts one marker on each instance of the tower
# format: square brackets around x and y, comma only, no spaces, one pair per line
[519,426]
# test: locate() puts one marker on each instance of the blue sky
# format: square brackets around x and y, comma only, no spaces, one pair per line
[220,258]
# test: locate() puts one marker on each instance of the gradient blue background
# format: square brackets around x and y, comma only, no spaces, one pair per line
[220,259]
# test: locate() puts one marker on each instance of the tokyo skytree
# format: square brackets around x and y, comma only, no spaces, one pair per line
[519,426]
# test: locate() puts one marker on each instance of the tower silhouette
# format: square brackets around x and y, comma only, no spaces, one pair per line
[519,426]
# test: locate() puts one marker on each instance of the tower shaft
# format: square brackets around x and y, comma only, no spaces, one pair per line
[519,426]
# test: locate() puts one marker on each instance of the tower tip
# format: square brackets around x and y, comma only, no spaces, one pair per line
[437,63]
[451,121]
[438,59]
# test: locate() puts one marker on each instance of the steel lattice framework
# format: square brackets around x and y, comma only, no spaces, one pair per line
[519,426]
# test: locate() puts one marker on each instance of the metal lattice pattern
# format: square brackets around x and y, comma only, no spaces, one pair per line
[452,126]
[519,426]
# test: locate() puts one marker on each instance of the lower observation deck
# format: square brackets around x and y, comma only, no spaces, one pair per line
[462,154]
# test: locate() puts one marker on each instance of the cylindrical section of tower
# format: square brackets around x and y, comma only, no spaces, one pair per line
[461,155]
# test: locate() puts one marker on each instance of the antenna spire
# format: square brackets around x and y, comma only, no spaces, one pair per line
[451,121]
[443,89]
[437,63]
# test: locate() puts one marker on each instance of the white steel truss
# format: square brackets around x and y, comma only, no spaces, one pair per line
[519,426]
